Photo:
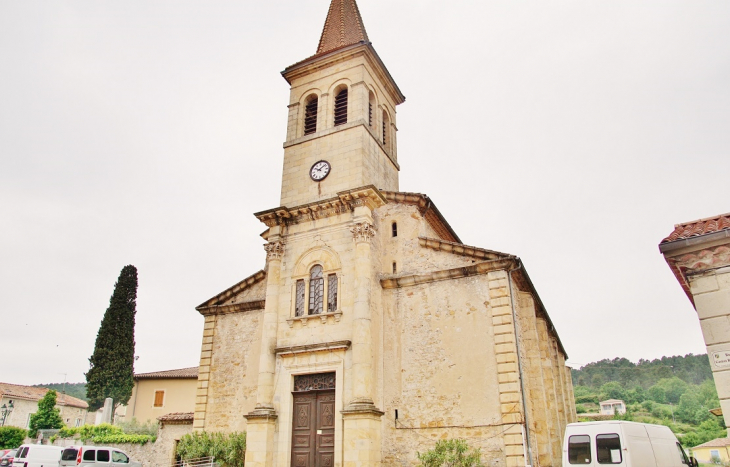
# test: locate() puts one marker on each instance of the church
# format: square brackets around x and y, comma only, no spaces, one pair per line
[372,331]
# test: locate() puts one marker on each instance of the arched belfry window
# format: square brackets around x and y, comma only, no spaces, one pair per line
[341,107]
[371,106]
[316,290]
[310,115]
[386,127]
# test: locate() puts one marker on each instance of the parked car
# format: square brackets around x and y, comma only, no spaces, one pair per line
[95,456]
[623,443]
[37,455]
[7,457]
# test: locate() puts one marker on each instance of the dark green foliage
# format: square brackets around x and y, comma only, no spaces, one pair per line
[450,453]
[77,390]
[11,437]
[112,363]
[707,431]
[48,415]
[228,449]
[692,369]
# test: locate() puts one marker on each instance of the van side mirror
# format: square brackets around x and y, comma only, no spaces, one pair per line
[693,462]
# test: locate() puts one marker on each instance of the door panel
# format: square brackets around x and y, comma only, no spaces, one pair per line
[313,429]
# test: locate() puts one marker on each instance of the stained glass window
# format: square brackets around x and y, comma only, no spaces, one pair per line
[299,309]
[332,293]
[316,290]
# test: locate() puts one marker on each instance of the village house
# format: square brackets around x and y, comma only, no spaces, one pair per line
[372,330]
[159,393]
[23,401]
[698,253]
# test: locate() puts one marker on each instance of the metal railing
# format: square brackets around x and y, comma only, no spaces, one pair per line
[199,462]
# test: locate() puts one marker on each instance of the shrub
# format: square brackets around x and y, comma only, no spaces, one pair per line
[580,408]
[228,449]
[451,453]
[11,437]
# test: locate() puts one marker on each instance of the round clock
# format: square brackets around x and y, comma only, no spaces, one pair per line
[319,170]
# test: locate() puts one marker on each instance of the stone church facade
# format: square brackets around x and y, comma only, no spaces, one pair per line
[372,331]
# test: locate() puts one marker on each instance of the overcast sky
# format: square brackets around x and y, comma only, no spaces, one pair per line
[573,134]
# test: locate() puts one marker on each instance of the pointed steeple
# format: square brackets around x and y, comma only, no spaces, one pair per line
[343,27]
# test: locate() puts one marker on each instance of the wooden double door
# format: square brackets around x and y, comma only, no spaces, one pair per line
[313,429]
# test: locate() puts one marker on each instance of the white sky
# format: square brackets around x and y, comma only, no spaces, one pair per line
[574,134]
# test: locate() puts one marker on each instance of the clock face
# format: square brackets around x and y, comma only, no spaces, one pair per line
[319,170]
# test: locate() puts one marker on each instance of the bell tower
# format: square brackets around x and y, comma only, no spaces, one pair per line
[341,130]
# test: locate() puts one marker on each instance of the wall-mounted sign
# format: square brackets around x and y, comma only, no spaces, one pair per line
[721,359]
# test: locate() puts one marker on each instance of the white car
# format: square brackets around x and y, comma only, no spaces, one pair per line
[95,456]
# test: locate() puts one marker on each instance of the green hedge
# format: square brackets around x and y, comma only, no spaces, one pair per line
[104,434]
[11,437]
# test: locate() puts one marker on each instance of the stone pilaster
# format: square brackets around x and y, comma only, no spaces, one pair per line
[510,397]
[261,424]
[550,385]
[206,358]
[362,425]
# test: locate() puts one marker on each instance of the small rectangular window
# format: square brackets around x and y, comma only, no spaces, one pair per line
[69,454]
[579,449]
[90,455]
[159,398]
[394,267]
[608,449]
[394,229]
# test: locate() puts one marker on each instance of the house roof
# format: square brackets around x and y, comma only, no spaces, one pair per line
[33,393]
[342,27]
[182,373]
[715,443]
[612,401]
[699,227]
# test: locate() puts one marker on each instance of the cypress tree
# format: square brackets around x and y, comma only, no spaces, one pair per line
[111,372]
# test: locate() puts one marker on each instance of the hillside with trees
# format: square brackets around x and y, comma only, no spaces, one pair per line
[77,390]
[678,392]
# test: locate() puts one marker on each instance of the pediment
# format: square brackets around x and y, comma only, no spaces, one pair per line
[248,294]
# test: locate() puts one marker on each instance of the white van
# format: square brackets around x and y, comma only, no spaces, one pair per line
[95,456]
[628,444]
[37,455]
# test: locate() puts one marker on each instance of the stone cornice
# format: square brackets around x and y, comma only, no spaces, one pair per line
[427,209]
[232,291]
[461,249]
[394,282]
[234,308]
[363,49]
[311,348]
[345,201]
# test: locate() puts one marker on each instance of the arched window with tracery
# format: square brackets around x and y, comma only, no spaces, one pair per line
[316,290]
[310,115]
[341,107]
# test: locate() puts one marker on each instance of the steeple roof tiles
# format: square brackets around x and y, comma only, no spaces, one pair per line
[699,227]
[343,27]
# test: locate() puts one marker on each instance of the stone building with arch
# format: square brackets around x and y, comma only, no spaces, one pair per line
[372,331]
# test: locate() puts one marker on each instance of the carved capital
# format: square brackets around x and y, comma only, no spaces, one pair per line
[362,232]
[274,250]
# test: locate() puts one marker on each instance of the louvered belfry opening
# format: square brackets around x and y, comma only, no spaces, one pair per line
[341,107]
[370,114]
[310,116]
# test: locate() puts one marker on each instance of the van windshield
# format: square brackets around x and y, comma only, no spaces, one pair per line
[579,449]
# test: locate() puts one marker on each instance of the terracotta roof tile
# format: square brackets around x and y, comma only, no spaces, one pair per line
[182,373]
[32,393]
[699,227]
[715,443]
[343,26]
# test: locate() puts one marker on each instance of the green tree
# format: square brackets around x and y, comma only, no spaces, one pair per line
[450,453]
[612,390]
[688,408]
[111,369]
[11,437]
[48,415]
[673,388]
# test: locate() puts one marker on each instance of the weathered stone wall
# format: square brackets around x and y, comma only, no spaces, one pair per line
[231,383]
[440,370]
[19,417]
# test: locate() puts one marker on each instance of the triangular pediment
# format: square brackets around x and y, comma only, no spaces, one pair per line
[249,294]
